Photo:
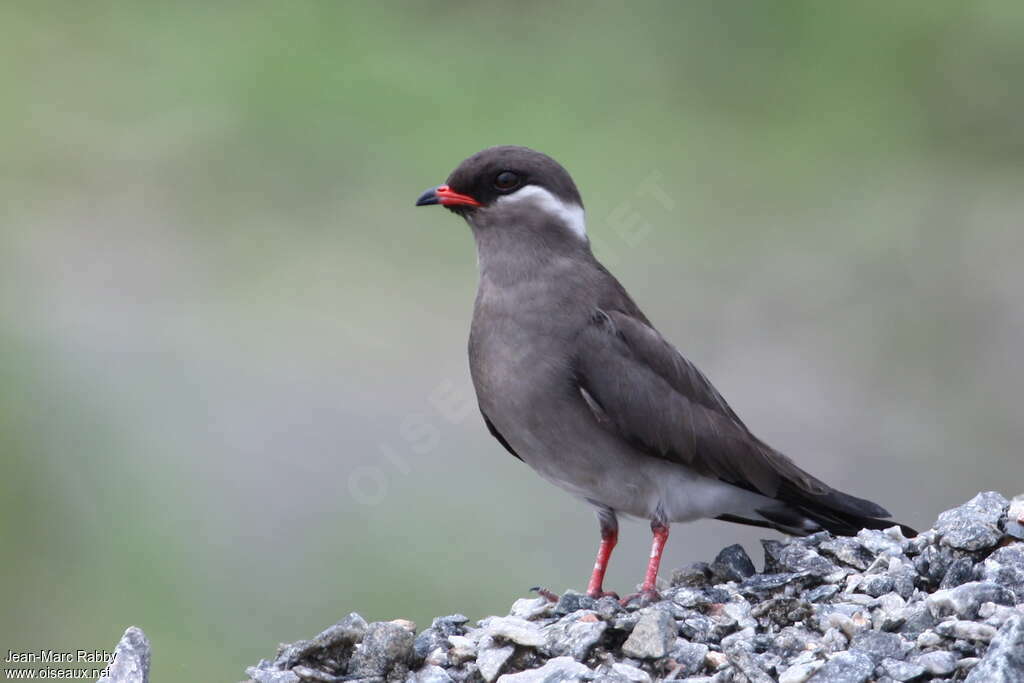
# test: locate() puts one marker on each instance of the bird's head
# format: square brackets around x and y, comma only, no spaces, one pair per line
[511,187]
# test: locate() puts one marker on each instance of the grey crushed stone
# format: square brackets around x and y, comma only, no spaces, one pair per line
[945,605]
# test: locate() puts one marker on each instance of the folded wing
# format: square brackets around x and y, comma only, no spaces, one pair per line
[642,388]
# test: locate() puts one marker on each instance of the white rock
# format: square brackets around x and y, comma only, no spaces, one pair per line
[516,630]
[652,636]
[631,673]
[554,671]
[938,663]
[438,656]
[131,658]
[716,660]
[429,674]
[463,648]
[800,672]
[531,608]
[967,630]
[491,658]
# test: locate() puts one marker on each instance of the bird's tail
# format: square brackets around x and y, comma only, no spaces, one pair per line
[798,513]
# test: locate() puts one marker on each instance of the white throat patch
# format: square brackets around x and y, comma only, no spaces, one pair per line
[570,214]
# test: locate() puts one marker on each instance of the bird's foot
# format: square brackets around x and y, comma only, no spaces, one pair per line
[545,593]
[597,595]
[647,596]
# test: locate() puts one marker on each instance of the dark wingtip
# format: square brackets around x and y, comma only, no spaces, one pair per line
[909,532]
[873,515]
[853,505]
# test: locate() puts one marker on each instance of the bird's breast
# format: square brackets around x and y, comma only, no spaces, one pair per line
[520,347]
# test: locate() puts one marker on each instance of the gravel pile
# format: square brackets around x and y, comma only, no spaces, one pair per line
[947,605]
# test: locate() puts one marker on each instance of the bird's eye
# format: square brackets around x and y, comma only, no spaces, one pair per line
[506,180]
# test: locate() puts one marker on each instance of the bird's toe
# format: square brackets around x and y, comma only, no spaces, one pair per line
[645,597]
[545,593]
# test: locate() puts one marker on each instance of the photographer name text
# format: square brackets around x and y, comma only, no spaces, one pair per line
[50,656]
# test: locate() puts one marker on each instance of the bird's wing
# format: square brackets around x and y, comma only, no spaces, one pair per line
[497,435]
[642,388]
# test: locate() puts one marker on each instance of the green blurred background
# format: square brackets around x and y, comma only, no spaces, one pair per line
[234,402]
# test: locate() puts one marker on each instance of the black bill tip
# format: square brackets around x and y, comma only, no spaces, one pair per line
[428,198]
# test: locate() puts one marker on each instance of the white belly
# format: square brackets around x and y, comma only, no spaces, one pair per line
[577,455]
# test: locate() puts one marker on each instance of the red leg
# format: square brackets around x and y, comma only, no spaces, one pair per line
[660,532]
[648,591]
[609,537]
[608,540]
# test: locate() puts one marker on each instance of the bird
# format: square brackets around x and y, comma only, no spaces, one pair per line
[573,379]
